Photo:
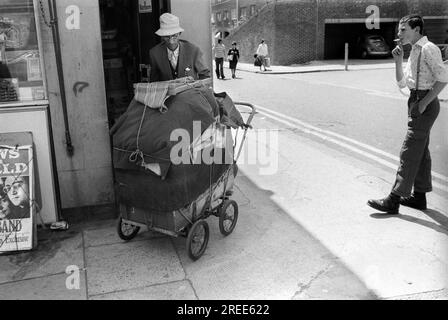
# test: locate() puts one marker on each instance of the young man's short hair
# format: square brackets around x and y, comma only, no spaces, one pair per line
[414,20]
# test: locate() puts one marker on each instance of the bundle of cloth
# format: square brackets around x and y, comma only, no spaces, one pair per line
[163,143]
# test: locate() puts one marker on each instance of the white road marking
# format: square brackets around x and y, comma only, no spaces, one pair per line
[327,136]
[372,92]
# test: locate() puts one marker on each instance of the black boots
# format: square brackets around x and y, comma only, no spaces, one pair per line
[390,204]
[417,201]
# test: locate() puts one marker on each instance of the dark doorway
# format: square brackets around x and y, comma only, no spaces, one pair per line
[337,34]
[128,33]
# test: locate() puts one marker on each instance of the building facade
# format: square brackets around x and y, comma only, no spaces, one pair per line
[298,31]
[230,14]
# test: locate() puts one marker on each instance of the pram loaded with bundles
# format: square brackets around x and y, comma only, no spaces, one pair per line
[175,163]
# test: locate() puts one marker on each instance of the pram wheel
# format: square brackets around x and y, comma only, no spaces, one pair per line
[197,239]
[126,231]
[228,216]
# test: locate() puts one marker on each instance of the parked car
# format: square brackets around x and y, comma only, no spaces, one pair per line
[373,46]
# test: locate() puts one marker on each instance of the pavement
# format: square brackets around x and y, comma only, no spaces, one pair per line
[299,236]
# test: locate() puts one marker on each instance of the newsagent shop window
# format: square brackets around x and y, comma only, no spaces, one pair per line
[21,77]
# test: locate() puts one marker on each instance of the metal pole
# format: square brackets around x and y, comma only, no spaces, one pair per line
[237,14]
[57,47]
[346,56]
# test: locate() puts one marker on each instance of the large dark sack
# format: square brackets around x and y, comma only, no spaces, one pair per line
[179,185]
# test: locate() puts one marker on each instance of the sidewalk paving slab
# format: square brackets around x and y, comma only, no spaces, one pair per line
[52,287]
[130,265]
[52,256]
[179,290]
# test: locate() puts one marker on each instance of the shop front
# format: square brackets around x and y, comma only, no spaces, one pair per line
[67,72]
[24,112]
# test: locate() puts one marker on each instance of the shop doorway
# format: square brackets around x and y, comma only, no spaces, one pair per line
[128,33]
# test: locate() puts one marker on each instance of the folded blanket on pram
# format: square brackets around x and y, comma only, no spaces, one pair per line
[144,138]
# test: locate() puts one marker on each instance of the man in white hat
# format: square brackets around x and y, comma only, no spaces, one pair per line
[174,58]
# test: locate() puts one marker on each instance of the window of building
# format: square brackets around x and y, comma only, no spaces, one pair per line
[218,16]
[252,10]
[243,12]
[226,15]
[233,14]
[21,77]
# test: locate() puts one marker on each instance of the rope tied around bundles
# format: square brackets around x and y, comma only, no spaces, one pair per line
[136,156]
[154,95]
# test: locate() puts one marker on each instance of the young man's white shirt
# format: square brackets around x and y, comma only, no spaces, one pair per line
[432,68]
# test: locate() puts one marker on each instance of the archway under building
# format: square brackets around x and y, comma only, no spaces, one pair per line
[339,33]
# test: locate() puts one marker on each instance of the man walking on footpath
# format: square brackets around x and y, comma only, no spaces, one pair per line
[262,53]
[220,53]
[426,76]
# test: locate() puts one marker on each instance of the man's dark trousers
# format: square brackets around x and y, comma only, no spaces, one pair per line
[415,159]
[219,67]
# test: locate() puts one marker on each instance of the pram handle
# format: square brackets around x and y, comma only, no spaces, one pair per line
[246,126]
[252,114]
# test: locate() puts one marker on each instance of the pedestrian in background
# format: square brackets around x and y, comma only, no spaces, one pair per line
[233,56]
[426,76]
[220,54]
[262,53]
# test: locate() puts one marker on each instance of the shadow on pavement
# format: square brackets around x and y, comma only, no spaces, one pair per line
[442,227]
[269,256]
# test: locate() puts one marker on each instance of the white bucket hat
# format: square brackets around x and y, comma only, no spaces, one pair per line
[169,25]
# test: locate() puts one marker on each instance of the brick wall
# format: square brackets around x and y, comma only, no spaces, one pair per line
[295,32]
[249,35]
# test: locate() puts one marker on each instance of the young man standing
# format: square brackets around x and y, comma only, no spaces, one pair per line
[426,76]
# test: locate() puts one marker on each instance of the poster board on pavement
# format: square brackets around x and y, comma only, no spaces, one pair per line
[17,203]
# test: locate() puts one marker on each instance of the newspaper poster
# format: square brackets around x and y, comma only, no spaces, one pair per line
[17,209]
[33,69]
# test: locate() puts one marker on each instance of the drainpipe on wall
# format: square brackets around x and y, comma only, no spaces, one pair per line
[57,48]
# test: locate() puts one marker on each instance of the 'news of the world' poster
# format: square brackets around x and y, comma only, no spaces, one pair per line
[17,227]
